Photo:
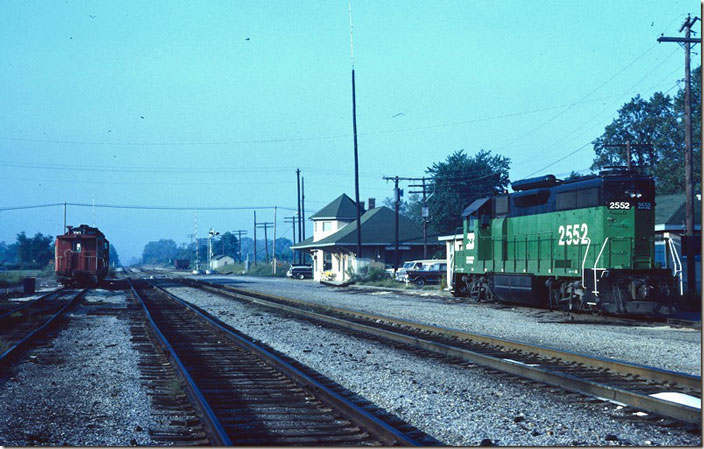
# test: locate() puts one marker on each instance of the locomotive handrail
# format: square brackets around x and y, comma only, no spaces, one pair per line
[596,262]
[676,262]
[584,261]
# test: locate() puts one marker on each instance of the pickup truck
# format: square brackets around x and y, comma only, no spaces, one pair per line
[429,273]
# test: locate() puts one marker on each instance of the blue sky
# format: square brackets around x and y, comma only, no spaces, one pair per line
[191,104]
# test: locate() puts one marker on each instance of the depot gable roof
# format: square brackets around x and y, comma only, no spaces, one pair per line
[341,208]
[377,229]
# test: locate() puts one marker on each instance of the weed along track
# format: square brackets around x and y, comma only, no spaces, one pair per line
[246,395]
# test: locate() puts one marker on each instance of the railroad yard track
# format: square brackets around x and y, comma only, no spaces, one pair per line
[651,393]
[21,324]
[248,395]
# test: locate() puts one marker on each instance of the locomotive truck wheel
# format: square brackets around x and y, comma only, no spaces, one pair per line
[419,282]
[301,276]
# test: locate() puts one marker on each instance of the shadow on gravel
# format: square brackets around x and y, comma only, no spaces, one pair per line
[225,281]
[595,322]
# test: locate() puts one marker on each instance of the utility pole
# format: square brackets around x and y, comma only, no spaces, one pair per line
[293,221]
[273,245]
[628,145]
[424,214]
[423,211]
[688,165]
[397,205]
[195,235]
[302,235]
[265,226]
[255,237]
[240,232]
[424,208]
[356,159]
[298,177]
[64,231]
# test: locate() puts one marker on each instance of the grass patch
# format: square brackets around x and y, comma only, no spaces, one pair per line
[14,277]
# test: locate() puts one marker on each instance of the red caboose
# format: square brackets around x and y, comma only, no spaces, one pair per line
[82,256]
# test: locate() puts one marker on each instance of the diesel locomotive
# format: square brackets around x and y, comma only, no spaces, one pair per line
[82,256]
[585,244]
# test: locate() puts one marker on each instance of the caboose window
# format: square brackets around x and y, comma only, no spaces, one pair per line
[77,247]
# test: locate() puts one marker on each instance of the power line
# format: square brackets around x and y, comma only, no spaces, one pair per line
[583,98]
[559,160]
[121,206]
[609,107]
[309,138]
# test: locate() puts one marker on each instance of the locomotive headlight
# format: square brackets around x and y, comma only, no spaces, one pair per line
[634,193]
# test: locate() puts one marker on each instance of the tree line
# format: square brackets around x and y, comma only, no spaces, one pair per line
[165,251]
[34,252]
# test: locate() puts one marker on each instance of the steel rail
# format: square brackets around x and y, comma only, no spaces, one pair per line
[30,303]
[14,349]
[572,383]
[215,430]
[377,427]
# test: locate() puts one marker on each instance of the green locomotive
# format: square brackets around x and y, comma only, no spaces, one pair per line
[584,245]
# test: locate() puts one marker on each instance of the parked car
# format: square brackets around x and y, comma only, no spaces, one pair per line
[401,273]
[300,272]
[429,273]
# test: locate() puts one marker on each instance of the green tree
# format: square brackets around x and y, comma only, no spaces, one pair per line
[660,122]
[163,251]
[228,245]
[34,251]
[114,258]
[410,208]
[458,181]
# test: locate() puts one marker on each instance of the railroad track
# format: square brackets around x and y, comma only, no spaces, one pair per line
[21,324]
[249,396]
[645,389]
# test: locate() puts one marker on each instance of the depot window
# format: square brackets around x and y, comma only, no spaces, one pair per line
[327,226]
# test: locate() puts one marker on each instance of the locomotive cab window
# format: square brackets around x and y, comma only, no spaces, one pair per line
[77,247]
[485,220]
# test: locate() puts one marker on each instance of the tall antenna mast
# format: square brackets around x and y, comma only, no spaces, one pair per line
[356,159]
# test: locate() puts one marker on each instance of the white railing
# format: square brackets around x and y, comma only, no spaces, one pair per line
[676,262]
[584,261]
[596,262]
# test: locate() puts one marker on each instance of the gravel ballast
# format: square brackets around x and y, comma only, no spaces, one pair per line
[81,387]
[456,405]
[658,345]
